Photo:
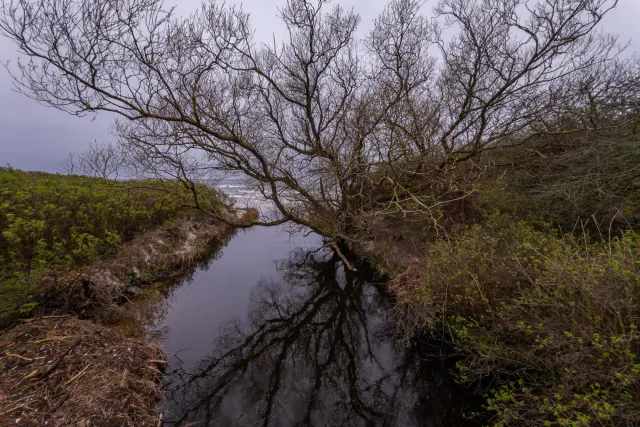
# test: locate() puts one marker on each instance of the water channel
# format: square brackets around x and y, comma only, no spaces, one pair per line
[272,330]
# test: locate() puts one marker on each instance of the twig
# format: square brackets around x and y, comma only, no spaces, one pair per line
[178,352]
[47,317]
[13,409]
[347,264]
[54,339]
[76,376]
[32,374]
[60,403]
[22,357]
[57,362]
[154,369]
[164,362]
[16,401]
[160,418]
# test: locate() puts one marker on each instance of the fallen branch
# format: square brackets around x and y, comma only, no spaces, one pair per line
[75,377]
[13,409]
[22,357]
[347,264]
[47,317]
[164,362]
[54,339]
[31,375]
[57,362]
[16,407]
[60,402]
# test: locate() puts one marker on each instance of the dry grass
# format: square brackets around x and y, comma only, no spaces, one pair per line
[65,371]
[60,370]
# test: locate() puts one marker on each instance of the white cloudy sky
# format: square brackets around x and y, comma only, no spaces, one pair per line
[34,137]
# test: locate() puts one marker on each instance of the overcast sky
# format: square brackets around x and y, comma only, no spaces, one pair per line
[33,137]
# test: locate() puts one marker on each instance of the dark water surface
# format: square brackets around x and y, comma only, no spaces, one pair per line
[274,332]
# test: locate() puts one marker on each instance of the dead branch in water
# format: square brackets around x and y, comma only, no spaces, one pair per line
[347,264]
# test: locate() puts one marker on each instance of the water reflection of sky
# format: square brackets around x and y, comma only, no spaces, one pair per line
[272,332]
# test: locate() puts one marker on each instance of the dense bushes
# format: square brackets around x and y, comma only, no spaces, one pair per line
[542,298]
[554,319]
[587,182]
[59,222]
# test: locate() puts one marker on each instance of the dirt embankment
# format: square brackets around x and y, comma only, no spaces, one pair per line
[154,256]
[62,370]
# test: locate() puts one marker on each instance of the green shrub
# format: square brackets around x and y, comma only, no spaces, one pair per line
[587,182]
[553,318]
[52,222]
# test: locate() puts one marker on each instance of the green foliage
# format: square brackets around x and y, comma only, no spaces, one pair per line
[555,316]
[52,222]
[13,293]
[149,293]
[132,278]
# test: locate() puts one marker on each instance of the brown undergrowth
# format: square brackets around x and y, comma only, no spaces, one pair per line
[61,371]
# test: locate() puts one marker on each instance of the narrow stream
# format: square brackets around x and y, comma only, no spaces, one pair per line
[274,331]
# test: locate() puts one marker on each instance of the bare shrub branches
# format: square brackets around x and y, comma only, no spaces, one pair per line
[325,125]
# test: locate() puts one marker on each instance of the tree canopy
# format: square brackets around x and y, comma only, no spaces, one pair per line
[326,125]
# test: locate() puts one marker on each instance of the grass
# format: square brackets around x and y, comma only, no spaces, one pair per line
[64,371]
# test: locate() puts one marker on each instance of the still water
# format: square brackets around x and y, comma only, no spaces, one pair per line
[274,331]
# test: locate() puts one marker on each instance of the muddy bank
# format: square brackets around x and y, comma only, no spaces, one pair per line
[98,290]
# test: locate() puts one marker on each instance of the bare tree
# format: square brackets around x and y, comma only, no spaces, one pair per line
[325,125]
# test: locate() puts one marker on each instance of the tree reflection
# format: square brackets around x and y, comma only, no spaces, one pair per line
[316,349]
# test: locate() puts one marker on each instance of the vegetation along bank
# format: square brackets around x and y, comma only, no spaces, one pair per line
[72,249]
[485,154]
[533,280]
